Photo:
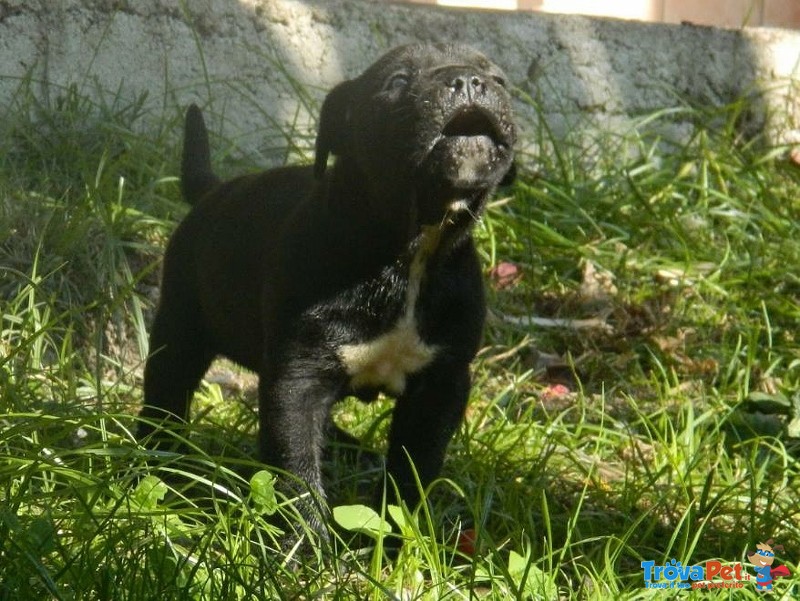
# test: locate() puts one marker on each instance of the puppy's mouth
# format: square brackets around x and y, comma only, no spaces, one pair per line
[474,122]
[472,151]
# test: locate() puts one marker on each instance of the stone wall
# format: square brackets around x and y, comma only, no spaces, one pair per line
[261,67]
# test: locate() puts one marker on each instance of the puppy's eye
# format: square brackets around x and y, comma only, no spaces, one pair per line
[501,81]
[397,82]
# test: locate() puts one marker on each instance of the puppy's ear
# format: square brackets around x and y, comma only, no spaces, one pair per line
[334,126]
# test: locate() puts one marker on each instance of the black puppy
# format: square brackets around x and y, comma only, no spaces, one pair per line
[351,280]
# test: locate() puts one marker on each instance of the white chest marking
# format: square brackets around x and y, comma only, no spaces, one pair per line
[386,360]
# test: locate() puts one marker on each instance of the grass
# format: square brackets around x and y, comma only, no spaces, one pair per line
[664,434]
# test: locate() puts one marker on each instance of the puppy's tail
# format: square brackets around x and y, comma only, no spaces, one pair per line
[197,178]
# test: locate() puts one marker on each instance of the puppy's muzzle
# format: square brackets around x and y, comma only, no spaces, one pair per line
[472,150]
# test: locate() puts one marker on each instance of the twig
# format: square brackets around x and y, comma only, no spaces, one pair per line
[548,322]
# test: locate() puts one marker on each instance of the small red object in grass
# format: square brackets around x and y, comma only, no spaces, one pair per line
[505,275]
[555,391]
[466,541]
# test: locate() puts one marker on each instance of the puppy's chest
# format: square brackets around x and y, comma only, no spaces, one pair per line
[386,360]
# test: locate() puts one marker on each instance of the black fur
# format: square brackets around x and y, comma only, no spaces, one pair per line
[295,271]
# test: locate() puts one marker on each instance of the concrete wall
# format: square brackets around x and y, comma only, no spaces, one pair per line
[721,13]
[261,66]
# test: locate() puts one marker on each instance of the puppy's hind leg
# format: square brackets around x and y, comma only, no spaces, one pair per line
[179,356]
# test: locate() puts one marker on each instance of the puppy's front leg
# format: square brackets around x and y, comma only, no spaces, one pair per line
[425,418]
[293,413]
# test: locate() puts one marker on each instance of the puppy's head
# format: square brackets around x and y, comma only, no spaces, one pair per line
[429,123]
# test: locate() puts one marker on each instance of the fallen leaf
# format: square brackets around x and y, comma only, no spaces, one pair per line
[597,284]
[466,541]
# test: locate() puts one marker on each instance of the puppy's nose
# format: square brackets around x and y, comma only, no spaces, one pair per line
[468,84]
